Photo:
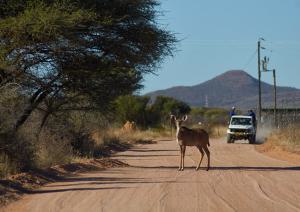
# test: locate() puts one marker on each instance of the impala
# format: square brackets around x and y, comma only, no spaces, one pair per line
[191,137]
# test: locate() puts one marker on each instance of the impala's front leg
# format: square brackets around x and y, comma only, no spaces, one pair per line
[183,154]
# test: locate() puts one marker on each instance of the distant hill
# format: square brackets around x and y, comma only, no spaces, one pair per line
[232,88]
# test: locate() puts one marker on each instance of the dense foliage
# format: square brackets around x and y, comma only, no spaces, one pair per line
[78,55]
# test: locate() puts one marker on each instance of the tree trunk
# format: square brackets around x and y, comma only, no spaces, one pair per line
[35,100]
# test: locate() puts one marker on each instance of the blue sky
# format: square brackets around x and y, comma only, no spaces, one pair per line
[221,35]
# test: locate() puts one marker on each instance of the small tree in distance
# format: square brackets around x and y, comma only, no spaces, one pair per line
[138,109]
[164,106]
[132,108]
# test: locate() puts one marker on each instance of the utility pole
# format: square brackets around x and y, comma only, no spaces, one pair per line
[265,69]
[259,47]
[275,98]
[171,123]
[259,83]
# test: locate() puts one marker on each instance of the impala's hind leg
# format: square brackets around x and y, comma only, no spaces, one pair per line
[202,154]
[208,157]
[179,169]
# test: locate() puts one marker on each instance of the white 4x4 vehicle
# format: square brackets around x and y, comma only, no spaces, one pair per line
[241,127]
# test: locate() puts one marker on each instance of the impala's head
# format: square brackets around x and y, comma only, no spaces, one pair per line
[178,122]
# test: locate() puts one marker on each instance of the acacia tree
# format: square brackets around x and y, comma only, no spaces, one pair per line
[75,55]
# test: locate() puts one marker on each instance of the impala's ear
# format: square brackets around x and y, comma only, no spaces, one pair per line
[184,118]
[172,117]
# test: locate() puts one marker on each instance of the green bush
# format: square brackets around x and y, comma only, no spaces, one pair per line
[132,108]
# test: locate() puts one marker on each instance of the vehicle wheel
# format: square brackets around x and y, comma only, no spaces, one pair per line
[252,139]
[229,139]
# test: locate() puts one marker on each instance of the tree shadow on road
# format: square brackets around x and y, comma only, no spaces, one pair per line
[73,189]
[82,183]
[96,183]
[154,150]
[142,156]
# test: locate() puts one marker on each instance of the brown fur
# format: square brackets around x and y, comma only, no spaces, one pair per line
[191,137]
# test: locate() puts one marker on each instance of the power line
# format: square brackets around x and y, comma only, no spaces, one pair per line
[250,59]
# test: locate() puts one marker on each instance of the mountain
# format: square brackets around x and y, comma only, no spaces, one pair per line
[232,88]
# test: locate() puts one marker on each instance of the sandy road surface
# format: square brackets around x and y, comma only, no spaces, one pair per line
[241,180]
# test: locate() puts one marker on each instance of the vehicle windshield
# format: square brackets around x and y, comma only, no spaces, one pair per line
[241,121]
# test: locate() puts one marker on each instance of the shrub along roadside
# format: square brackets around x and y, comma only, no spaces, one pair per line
[105,143]
[50,149]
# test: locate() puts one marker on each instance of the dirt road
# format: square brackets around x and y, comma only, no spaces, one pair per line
[241,179]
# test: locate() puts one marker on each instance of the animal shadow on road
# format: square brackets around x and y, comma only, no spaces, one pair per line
[231,168]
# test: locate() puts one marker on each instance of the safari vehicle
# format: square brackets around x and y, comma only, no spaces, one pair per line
[241,127]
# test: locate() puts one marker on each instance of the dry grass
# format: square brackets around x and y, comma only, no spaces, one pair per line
[53,150]
[283,144]
[287,139]
[214,131]
[218,131]
[119,140]
[115,135]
